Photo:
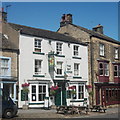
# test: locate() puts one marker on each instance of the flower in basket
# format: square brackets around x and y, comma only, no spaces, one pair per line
[25,85]
[88,86]
[53,90]
[72,89]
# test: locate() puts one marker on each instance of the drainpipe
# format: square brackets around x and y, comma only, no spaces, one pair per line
[92,67]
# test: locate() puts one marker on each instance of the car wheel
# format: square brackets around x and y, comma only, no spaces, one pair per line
[8,113]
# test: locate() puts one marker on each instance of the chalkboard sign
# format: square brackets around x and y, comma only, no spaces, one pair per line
[24,96]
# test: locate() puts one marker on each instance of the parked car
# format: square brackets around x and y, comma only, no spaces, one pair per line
[9,107]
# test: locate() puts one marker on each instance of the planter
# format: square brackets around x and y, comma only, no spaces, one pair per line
[25,107]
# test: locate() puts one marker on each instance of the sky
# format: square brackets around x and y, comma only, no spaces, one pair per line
[47,15]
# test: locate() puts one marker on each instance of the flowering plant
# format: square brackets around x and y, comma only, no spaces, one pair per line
[88,86]
[72,89]
[53,90]
[25,85]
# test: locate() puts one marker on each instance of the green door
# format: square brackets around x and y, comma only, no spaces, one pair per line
[58,98]
[61,95]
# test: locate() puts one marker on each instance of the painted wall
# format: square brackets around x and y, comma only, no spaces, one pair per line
[27,57]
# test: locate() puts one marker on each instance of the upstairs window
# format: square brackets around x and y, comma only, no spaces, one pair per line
[59,68]
[103,69]
[116,53]
[37,45]
[117,70]
[4,67]
[102,49]
[59,48]
[75,52]
[38,67]
[76,69]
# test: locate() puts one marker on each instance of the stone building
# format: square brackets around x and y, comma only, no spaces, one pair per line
[8,57]
[103,60]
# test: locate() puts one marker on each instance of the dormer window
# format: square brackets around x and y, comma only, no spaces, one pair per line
[59,48]
[37,45]
[75,50]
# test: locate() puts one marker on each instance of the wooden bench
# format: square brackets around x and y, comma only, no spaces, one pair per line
[98,108]
[71,109]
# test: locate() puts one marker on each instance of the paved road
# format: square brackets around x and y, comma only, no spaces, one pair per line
[41,113]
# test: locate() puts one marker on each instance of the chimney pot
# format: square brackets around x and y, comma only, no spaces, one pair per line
[66,19]
[98,28]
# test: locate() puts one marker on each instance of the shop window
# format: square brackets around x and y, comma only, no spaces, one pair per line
[80,92]
[33,93]
[42,92]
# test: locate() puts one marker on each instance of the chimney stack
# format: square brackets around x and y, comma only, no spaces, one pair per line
[3,15]
[98,28]
[66,19]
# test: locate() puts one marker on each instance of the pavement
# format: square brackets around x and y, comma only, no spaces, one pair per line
[41,113]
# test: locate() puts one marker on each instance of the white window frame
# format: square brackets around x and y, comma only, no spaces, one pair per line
[75,50]
[117,71]
[59,67]
[105,69]
[76,70]
[116,53]
[41,93]
[39,66]
[77,91]
[81,92]
[37,45]
[5,67]
[102,49]
[59,48]
[37,92]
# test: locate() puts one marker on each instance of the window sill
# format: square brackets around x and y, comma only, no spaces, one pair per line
[39,53]
[80,100]
[77,77]
[37,103]
[59,55]
[59,76]
[38,75]
[76,57]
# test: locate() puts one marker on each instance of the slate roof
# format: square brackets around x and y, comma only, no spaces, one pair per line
[96,34]
[45,34]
